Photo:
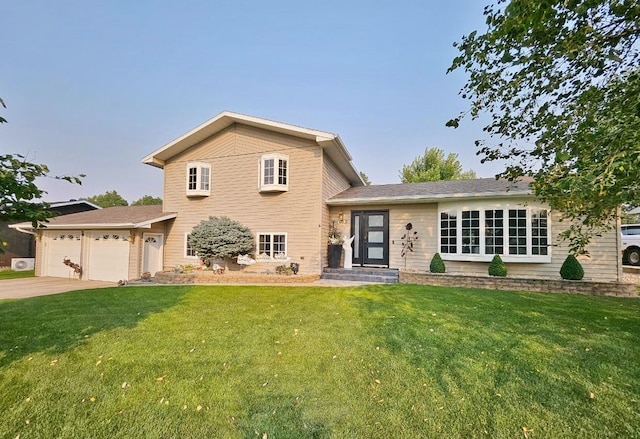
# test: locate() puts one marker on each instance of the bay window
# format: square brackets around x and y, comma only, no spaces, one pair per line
[274,173]
[476,233]
[198,179]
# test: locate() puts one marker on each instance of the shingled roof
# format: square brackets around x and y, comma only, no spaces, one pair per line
[124,217]
[432,191]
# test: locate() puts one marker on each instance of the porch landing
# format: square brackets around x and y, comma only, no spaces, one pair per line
[362,274]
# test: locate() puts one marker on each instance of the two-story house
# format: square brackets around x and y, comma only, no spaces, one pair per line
[287,183]
[272,177]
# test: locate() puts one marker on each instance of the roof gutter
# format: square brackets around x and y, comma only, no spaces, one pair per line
[19,228]
[412,199]
[146,224]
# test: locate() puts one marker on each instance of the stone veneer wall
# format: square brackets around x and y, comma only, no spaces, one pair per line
[232,278]
[515,284]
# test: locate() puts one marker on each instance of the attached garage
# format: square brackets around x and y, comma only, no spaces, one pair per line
[59,245]
[108,244]
[108,255]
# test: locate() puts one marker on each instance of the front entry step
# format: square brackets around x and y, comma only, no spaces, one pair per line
[358,274]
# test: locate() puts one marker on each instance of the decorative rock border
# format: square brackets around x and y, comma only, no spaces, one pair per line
[230,277]
[514,284]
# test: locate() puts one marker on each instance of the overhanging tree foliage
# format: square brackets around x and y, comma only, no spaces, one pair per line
[20,196]
[434,166]
[560,80]
[221,237]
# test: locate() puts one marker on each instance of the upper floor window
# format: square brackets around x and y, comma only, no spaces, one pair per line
[274,173]
[518,234]
[198,179]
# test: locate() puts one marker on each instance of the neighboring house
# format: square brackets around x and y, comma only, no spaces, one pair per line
[22,245]
[287,183]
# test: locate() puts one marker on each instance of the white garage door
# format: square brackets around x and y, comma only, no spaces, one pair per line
[108,256]
[61,245]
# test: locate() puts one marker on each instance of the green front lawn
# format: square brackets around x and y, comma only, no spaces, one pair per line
[301,362]
[10,274]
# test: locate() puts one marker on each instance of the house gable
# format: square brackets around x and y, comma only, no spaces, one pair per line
[293,206]
[329,142]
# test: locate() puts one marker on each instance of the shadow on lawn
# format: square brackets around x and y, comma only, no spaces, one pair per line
[59,322]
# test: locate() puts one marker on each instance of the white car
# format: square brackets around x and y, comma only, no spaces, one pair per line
[630,244]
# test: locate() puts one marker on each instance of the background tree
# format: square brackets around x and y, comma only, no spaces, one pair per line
[108,199]
[2,119]
[147,200]
[221,237]
[20,196]
[434,166]
[560,80]
[365,178]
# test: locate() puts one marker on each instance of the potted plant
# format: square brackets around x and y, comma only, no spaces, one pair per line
[334,247]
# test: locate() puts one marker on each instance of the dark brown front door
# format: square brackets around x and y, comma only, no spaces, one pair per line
[371,243]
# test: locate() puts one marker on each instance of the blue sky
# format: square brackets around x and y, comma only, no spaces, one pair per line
[92,87]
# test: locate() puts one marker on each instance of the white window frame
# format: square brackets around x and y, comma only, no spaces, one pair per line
[203,179]
[276,186]
[457,209]
[270,257]
[186,248]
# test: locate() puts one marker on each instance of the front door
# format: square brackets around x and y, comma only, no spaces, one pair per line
[371,243]
[152,254]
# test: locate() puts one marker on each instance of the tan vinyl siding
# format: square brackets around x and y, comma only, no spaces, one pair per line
[39,253]
[136,253]
[333,182]
[603,265]
[234,155]
[423,218]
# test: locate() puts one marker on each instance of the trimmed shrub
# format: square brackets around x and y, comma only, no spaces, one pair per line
[221,237]
[571,269]
[437,264]
[497,267]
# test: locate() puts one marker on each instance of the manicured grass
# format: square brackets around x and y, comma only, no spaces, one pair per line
[300,362]
[10,274]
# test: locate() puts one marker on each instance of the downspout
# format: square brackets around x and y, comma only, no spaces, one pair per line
[322,207]
[82,252]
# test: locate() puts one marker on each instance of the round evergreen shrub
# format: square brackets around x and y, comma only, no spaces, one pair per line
[437,264]
[497,267]
[571,269]
[221,237]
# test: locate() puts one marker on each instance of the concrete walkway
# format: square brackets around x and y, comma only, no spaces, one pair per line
[42,286]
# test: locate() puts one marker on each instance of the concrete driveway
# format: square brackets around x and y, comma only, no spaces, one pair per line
[42,286]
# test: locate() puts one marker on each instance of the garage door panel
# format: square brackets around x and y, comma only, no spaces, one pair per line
[60,246]
[108,257]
